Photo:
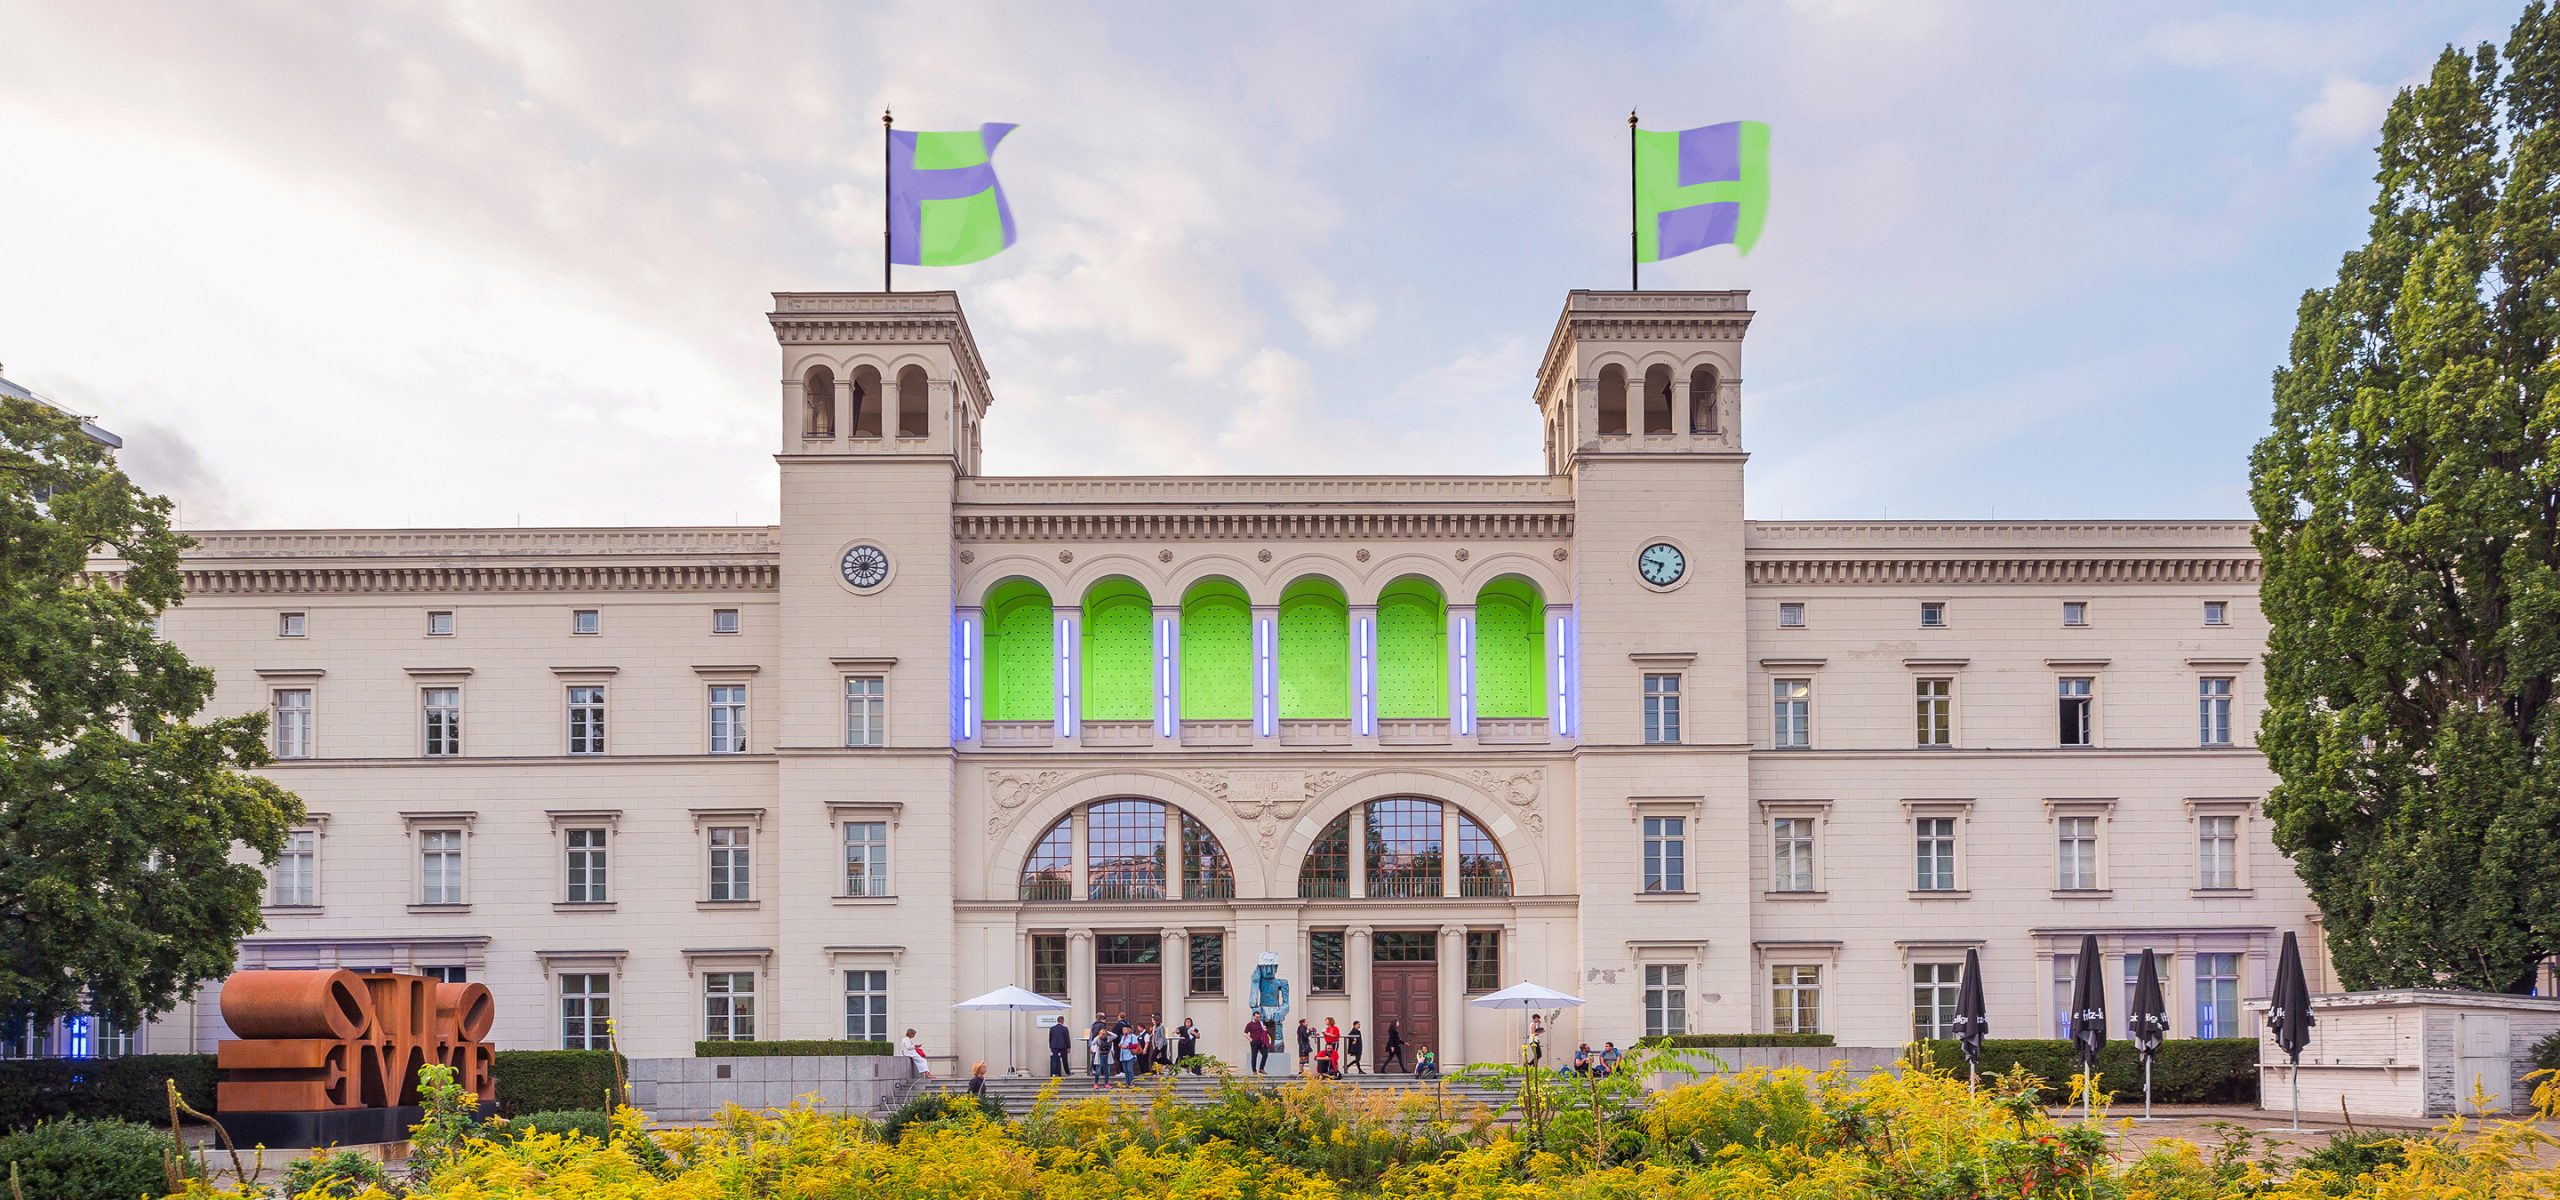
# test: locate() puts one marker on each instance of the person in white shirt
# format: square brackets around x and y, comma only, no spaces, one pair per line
[910,1049]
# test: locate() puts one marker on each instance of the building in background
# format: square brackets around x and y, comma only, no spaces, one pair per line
[96,432]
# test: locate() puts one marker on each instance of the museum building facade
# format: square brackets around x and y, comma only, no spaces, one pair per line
[1113,739]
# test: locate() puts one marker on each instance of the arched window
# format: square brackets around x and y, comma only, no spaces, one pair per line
[818,402]
[1413,650]
[1482,871]
[912,390]
[1020,677]
[1404,854]
[1657,399]
[1404,849]
[1702,400]
[1125,840]
[867,401]
[1119,652]
[1613,401]
[1327,871]
[1217,652]
[1314,652]
[1511,649]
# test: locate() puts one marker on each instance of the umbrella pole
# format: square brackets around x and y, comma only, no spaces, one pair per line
[2146,1087]
[2294,1072]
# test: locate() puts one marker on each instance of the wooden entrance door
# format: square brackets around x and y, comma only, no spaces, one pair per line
[1128,976]
[1407,995]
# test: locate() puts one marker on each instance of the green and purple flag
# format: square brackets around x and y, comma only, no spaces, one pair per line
[945,207]
[1700,187]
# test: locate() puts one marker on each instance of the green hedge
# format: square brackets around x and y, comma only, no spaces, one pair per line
[127,1088]
[87,1160]
[809,1048]
[531,1081]
[1733,1041]
[2194,1071]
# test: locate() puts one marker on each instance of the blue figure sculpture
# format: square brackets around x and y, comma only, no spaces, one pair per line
[1271,999]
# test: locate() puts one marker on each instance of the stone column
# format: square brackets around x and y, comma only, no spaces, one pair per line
[1081,996]
[1357,961]
[1079,862]
[1173,959]
[1453,998]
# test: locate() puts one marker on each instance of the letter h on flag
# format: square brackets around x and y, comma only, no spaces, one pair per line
[1700,187]
[945,207]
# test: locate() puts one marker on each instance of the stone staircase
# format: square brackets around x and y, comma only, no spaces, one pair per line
[1017,1093]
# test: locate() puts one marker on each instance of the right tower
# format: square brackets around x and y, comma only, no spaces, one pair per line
[1641,394]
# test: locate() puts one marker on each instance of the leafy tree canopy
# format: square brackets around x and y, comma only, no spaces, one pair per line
[119,816]
[2408,502]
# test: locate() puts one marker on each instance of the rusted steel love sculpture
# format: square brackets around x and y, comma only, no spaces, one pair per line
[312,1041]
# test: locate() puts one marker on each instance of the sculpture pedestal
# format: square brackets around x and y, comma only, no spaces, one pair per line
[327,1127]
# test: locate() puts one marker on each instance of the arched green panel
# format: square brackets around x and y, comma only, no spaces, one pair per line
[1020,677]
[1315,652]
[1511,650]
[1119,652]
[1217,652]
[1413,651]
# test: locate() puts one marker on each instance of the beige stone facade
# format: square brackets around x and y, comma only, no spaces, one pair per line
[842,861]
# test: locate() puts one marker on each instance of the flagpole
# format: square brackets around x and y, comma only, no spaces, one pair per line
[1632,285]
[885,284]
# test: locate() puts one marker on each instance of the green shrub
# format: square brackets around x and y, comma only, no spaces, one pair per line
[939,1106]
[2190,1071]
[1725,1041]
[592,1122]
[89,1160]
[554,1080]
[343,1174]
[2546,1053]
[806,1048]
[2350,1155]
[127,1088]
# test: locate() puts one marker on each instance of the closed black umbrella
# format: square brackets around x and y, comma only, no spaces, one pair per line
[2088,1014]
[2289,1016]
[2148,1021]
[1973,1021]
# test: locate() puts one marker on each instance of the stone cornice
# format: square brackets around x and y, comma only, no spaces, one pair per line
[1997,535]
[882,318]
[1258,508]
[1905,571]
[395,561]
[369,580]
[1540,525]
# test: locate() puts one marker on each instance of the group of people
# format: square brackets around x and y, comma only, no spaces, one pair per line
[1602,1062]
[1332,1050]
[1122,1049]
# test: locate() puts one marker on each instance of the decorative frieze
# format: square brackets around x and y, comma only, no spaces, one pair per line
[1543,524]
[2054,570]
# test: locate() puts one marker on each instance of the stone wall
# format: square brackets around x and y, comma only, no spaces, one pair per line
[692,1091]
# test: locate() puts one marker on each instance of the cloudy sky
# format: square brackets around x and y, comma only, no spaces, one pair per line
[486,263]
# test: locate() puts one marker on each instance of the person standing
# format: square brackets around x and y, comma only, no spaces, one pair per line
[1131,1042]
[1332,1038]
[1186,1044]
[1059,1041]
[1104,1049]
[1351,1043]
[1537,1040]
[1306,1044]
[1257,1044]
[978,1080]
[1394,1052]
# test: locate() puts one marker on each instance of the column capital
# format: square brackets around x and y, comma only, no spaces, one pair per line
[1172,935]
[1079,935]
[1358,931]
[1453,931]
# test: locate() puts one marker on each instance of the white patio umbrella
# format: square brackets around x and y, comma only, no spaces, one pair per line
[1010,999]
[1525,996]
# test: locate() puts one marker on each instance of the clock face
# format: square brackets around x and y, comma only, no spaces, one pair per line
[1661,564]
[866,566]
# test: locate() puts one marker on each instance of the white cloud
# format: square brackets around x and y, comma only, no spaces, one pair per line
[2347,114]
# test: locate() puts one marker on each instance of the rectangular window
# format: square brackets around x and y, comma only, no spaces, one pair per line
[1791,864]
[1934,854]
[1933,1000]
[866,1006]
[2218,852]
[1666,999]
[1791,713]
[2075,612]
[2076,696]
[729,1006]
[1049,964]
[866,858]
[444,721]
[585,869]
[2065,966]
[1661,710]
[586,1012]
[2213,710]
[291,624]
[1791,615]
[297,877]
[1208,964]
[1324,961]
[1933,614]
[1936,711]
[866,713]
[729,718]
[733,875]
[292,714]
[439,624]
[1795,999]
[1666,854]
[586,720]
[1484,960]
[2218,996]
[2076,853]
[440,866]
[2217,612]
[586,620]
[724,620]
[446,974]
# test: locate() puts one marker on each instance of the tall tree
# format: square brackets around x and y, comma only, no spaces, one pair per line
[119,816]
[2408,507]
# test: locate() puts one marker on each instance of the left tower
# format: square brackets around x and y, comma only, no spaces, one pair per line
[882,395]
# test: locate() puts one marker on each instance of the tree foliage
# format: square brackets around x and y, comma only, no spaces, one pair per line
[2408,502]
[118,814]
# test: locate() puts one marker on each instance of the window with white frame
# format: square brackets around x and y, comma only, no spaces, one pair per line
[292,624]
[439,866]
[2066,969]
[296,882]
[439,624]
[586,621]
[1791,854]
[1791,615]
[2213,710]
[292,720]
[724,620]
[2218,996]
[866,710]
[1933,841]
[1666,999]
[1795,999]
[2217,851]
[1661,709]
[586,719]
[2077,696]
[866,858]
[866,1005]
[1936,713]
[729,1006]
[2217,612]
[1933,614]
[586,1011]
[2076,853]
[1791,713]
[1933,1000]
[732,862]
[443,714]
[446,974]
[585,868]
[728,718]
[1666,854]
[2075,612]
